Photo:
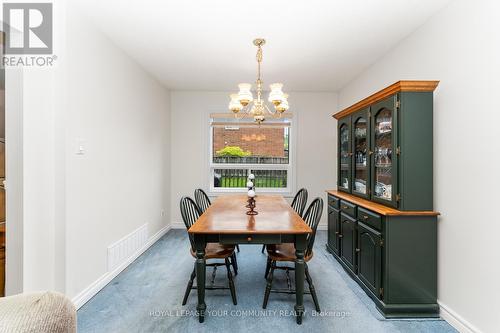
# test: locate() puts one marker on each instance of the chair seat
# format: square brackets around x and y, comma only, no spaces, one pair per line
[216,251]
[284,252]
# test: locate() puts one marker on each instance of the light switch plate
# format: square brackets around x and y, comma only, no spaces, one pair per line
[80,147]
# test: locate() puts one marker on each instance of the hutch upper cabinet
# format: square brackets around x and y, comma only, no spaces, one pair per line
[385,146]
[381,226]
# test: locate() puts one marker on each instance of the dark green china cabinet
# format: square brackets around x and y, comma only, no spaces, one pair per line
[381,223]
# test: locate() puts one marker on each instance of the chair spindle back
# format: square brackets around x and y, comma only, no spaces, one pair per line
[190,213]
[299,201]
[312,218]
[202,199]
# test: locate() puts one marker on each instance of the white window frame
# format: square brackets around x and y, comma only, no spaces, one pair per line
[290,167]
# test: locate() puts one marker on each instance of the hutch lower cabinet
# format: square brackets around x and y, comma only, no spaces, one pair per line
[381,223]
[391,254]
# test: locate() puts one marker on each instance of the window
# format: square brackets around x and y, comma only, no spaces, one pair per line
[239,147]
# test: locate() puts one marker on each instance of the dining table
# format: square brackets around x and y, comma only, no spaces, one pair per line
[226,222]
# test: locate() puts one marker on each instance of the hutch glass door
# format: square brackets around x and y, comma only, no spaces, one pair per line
[344,180]
[383,154]
[360,183]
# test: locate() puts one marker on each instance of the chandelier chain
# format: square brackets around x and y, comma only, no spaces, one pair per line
[259,60]
[259,81]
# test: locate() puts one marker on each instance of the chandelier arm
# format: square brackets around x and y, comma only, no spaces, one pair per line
[239,116]
[268,110]
[246,110]
[249,108]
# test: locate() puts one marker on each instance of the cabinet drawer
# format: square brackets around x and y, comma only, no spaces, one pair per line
[333,201]
[370,218]
[250,239]
[348,208]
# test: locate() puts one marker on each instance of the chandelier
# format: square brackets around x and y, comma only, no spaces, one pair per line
[257,108]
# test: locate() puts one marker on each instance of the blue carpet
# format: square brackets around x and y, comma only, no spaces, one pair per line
[147,296]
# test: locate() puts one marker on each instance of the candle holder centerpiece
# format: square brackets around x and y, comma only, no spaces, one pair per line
[251,203]
[250,187]
[251,196]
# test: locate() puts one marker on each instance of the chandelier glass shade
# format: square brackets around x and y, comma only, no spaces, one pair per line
[244,103]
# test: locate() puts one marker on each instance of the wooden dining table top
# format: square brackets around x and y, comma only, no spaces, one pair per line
[227,215]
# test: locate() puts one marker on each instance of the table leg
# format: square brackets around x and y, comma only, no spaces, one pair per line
[300,247]
[200,244]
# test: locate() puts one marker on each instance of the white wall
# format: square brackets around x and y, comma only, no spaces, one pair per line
[72,206]
[314,127]
[459,46]
[38,181]
[14,175]
[33,100]
[121,115]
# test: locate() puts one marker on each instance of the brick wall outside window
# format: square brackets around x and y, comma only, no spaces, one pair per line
[268,142]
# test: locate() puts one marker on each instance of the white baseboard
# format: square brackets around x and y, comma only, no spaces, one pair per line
[455,320]
[178,225]
[89,292]
[322,227]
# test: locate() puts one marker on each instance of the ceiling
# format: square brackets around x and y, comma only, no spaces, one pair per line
[207,45]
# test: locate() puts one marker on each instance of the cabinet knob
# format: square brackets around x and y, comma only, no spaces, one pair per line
[344,207]
[365,217]
[340,236]
[249,239]
[336,232]
[357,250]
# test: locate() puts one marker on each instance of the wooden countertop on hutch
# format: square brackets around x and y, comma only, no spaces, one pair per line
[378,208]
[392,89]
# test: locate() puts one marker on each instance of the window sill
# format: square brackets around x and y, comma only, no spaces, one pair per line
[216,192]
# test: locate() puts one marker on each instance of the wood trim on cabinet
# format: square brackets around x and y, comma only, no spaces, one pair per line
[378,208]
[422,86]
